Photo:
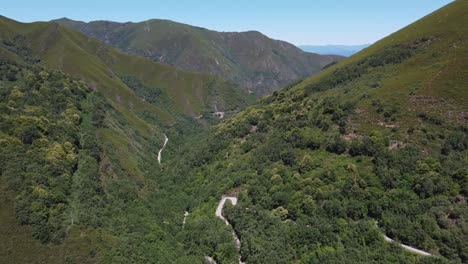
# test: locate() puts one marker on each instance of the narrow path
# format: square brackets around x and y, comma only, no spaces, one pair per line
[210,260]
[408,248]
[219,114]
[219,213]
[219,209]
[160,151]
[185,218]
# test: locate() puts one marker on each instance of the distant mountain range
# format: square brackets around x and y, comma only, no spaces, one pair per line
[249,59]
[343,50]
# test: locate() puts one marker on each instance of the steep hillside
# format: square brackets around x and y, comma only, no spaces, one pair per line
[375,145]
[326,170]
[81,125]
[148,97]
[103,68]
[249,59]
[40,147]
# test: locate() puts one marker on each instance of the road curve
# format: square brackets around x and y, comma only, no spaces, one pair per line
[210,260]
[160,151]
[219,209]
[408,248]
[219,213]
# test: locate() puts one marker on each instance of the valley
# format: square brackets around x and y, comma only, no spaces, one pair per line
[161,142]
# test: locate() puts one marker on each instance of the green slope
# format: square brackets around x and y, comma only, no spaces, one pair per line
[177,96]
[101,66]
[124,105]
[74,173]
[381,136]
[250,59]
[40,133]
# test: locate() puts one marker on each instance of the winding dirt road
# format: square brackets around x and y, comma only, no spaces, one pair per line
[219,209]
[160,151]
[210,260]
[186,213]
[408,248]
[219,213]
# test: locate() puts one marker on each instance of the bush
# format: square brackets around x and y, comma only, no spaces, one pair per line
[336,145]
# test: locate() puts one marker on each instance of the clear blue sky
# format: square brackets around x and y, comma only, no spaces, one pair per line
[297,21]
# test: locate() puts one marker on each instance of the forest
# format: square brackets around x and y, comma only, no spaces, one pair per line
[347,166]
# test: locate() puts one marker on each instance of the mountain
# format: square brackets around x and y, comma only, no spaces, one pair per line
[331,169]
[104,67]
[343,50]
[249,59]
[81,125]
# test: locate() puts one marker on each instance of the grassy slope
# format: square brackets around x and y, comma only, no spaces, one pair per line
[432,81]
[188,90]
[438,72]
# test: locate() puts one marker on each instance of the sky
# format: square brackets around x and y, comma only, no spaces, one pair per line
[301,22]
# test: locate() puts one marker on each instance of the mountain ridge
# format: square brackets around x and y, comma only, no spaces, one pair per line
[249,58]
